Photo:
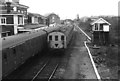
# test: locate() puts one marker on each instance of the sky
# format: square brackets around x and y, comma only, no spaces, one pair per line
[68,9]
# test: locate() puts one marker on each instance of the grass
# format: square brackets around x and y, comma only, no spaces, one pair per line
[106,60]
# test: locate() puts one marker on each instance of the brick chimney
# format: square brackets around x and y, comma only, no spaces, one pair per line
[8,7]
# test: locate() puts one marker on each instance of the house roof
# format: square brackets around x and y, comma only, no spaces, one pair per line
[48,14]
[100,20]
[19,5]
[14,4]
[68,20]
[35,14]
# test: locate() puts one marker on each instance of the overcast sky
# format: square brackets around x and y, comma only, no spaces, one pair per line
[70,8]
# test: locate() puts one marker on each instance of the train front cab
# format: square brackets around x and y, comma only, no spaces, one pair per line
[56,41]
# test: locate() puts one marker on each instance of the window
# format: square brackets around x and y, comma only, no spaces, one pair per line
[15,8]
[96,26]
[101,26]
[22,11]
[20,21]
[14,51]
[56,38]
[53,19]
[2,20]
[25,12]
[19,11]
[5,56]
[50,37]
[62,37]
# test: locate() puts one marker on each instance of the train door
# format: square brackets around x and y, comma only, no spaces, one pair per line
[56,39]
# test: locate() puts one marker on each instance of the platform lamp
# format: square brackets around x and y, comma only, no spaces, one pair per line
[9,8]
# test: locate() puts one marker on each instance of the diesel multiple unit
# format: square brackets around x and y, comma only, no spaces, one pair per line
[18,48]
[59,39]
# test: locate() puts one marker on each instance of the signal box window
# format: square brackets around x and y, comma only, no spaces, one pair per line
[101,26]
[50,37]
[96,27]
[56,38]
[62,37]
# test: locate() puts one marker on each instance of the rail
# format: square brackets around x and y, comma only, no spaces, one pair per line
[39,71]
[53,72]
[42,69]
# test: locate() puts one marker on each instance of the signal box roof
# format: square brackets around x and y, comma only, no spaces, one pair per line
[100,20]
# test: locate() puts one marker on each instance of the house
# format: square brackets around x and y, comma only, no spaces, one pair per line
[13,15]
[68,21]
[52,18]
[100,29]
[34,18]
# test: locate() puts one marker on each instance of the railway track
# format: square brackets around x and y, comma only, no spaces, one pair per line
[38,66]
[47,71]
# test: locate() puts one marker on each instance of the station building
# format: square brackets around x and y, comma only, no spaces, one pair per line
[12,16]
[100,31]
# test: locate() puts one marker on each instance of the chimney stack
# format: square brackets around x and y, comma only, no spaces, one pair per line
[8,7]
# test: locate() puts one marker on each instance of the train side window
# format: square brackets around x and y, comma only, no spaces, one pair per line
[62,37]
[5,56]
[56,38]
[14,51]
[50,37]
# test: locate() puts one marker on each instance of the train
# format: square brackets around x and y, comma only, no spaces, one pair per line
[17,49]
[59,39]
